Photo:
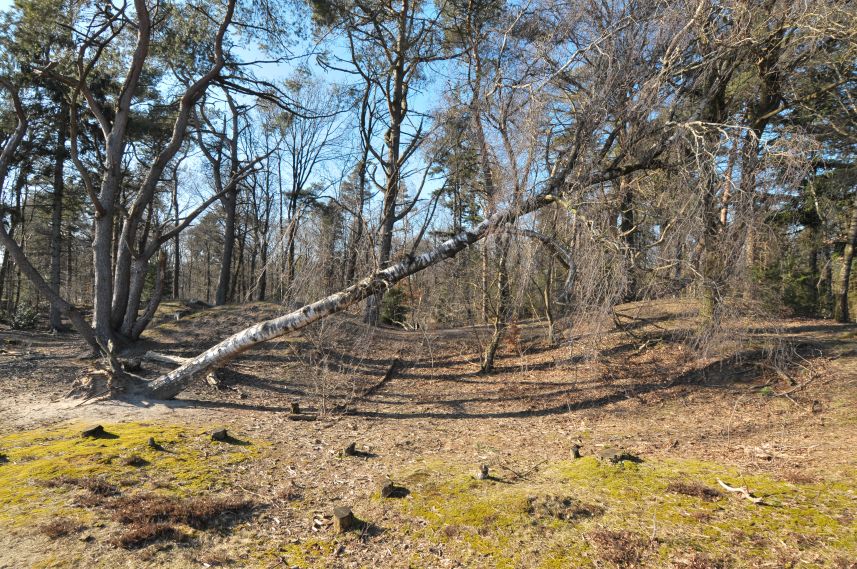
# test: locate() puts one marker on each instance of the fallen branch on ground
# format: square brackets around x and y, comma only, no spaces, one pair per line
[742,490]
[164,358]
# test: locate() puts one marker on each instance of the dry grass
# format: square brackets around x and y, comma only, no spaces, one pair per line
[152,517]
[623,548]
[94,484]
[60,527]
[214,558]
[695,489]
[142,534]
[698,560]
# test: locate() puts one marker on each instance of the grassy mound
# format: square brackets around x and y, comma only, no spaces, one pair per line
[584,513]
[56,472]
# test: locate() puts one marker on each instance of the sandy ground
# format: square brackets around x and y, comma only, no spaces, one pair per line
[643,388]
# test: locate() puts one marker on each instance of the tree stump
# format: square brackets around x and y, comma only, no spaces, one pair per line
[95,432]
[343,519]
[219,435]
[390,490]
[136,461]
[179,314]
[616,456]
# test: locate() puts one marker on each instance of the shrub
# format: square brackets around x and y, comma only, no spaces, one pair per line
[393,308]
[25,317]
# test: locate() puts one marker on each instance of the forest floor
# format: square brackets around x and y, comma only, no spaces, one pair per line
[772,409]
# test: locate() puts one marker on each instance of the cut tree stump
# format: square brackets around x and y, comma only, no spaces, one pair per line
[343,519]
[95,432]
[616,456]
[179,314]
[390,490]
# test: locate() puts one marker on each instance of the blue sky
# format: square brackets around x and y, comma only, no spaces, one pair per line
[423,100]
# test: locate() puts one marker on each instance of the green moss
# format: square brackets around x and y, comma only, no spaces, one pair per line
[190,463]
[487,523]
[309,553]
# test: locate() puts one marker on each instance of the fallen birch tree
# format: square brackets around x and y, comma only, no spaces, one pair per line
[641,129]
[171,384]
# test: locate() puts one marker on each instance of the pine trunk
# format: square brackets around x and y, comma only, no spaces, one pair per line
[56,216]
[841,311]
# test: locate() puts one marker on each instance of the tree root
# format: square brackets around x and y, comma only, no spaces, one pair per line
[99,384]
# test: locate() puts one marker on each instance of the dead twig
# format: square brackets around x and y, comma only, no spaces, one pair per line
[742,490]
[794,389]
[521,475]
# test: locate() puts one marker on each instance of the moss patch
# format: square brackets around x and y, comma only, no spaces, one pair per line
[492,523]
[47,470]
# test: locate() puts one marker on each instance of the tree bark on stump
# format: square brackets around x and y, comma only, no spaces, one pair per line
[343,519]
